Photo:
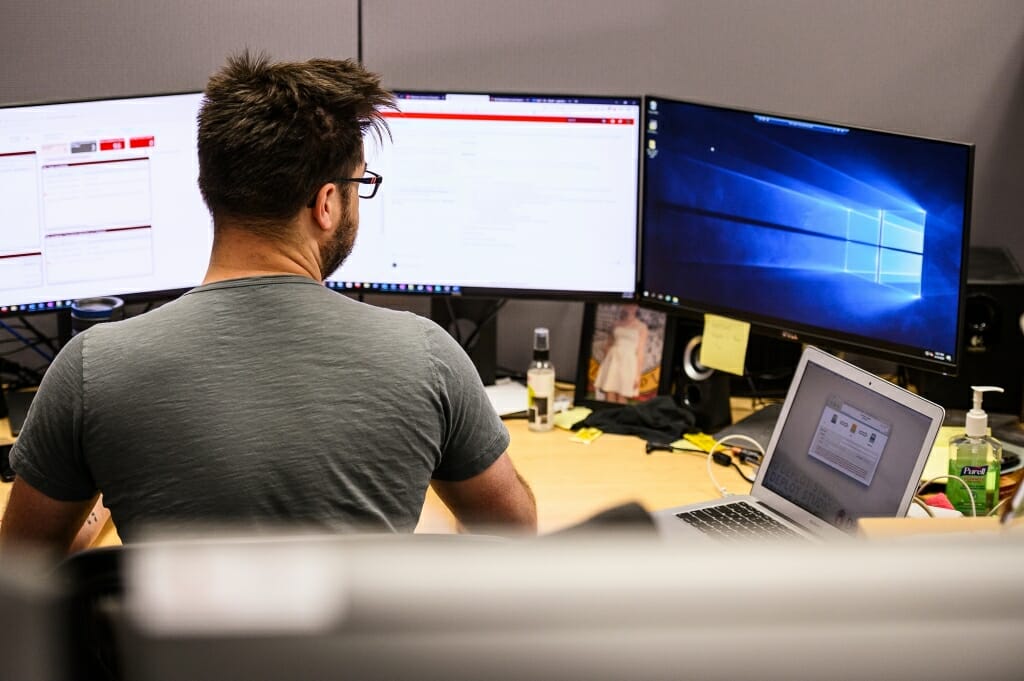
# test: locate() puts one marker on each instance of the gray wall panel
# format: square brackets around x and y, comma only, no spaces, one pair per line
[64,49]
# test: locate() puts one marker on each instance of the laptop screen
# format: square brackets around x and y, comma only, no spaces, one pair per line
[845,451]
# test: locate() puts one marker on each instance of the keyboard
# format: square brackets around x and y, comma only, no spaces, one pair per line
[737,520]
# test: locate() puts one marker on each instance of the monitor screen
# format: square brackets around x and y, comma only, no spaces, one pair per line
[99,198]
[506,195]
[851,238]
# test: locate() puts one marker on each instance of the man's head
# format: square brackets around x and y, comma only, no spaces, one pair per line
[271,135]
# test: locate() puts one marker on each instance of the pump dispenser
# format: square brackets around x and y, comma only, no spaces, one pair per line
[975,457]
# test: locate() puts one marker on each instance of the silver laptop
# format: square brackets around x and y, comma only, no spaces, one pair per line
[847,445]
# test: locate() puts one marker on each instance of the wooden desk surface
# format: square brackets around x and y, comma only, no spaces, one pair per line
[574,481]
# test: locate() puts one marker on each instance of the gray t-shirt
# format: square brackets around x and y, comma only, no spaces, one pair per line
[257,400]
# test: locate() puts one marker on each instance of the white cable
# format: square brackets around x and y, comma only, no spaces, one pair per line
[721,490]
[920,502]
[999,505]
[970,492]
[715,447]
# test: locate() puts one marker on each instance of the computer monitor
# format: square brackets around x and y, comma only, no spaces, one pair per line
[99,198]
[502,195]
[850,238]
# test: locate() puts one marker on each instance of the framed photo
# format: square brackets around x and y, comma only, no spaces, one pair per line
[624,355]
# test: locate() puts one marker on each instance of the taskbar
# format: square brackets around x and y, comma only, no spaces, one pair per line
[377,287]
[46,306]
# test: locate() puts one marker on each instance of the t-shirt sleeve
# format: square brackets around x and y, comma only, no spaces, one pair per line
[474,436]
[47,453]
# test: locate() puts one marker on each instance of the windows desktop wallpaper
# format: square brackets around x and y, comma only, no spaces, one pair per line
[848,234]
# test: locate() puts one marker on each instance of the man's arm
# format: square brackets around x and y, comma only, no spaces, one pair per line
[497,500]
[34,518]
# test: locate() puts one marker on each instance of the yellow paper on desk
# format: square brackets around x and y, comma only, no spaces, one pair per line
[566,419]
[698,441]
[724,344]
[586,435]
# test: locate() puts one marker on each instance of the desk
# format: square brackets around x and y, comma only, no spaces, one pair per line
[574,481]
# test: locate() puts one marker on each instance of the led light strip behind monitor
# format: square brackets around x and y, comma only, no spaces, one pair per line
[855,239]
[99,198]
[505,195]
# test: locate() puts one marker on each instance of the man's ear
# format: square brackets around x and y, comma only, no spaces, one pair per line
[324,206]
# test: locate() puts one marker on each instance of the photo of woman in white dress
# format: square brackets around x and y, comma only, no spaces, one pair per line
[626,353]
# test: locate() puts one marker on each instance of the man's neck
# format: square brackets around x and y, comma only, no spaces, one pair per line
[238,253]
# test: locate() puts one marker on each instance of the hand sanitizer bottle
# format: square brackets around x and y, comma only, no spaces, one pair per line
[540,384]
[975,457]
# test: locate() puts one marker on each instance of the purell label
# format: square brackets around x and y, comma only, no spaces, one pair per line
[979,471]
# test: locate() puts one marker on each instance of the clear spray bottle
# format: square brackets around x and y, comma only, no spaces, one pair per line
[540,383]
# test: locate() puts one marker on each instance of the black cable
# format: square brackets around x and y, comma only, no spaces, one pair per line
[23,346]
[29,344]
[38,334]
[743,473]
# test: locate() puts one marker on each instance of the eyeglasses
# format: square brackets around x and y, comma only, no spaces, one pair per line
[370,182]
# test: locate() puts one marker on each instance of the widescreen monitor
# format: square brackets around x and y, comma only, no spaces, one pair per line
[854,239]
[99,198]
[503,195]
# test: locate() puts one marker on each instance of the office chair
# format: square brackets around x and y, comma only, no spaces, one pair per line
[95,591]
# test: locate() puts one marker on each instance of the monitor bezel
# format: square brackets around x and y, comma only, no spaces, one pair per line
[806,333]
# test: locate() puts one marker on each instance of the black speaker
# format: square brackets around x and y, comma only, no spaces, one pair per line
[992,347]
[701,389]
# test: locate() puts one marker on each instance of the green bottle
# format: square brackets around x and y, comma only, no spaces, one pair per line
[975,457]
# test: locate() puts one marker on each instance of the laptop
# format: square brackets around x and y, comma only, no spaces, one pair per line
[847,445]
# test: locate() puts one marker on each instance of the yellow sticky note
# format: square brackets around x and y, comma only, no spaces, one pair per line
[724,344]
[586,435]
[566,419]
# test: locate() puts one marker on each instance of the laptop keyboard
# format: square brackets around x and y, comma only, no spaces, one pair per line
[737,520]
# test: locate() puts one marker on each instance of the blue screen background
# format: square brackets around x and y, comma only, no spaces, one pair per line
[858,235]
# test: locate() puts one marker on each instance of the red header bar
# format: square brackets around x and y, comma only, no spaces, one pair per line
[508,117]
[111,145]
[105,230]
[95,163]
[140,142]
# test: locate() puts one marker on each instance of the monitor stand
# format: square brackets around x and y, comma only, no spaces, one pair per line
[63,326]
[474,324]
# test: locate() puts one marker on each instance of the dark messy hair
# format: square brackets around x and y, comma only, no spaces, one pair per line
[271,134]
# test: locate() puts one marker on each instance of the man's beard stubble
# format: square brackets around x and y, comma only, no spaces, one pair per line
[334,253]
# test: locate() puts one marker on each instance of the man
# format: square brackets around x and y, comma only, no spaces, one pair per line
[261,395]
